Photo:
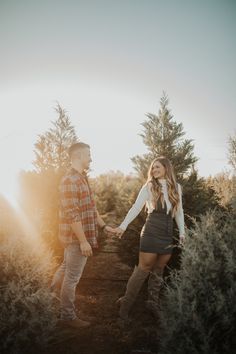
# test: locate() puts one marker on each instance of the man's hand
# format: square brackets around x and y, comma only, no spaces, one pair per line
[109,230]
[86,249]
[119,232]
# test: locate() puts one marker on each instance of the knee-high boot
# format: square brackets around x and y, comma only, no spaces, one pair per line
[155,283]
[133,287]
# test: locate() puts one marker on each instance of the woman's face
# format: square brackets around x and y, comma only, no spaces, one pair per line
[158,170]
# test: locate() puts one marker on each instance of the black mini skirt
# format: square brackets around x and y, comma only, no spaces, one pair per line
[157,233]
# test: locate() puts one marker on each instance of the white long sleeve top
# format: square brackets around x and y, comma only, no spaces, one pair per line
[145,196]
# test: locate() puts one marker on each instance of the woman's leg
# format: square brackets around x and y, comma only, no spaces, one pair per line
[162,260]
[135,282]
[147,261]
[155,282]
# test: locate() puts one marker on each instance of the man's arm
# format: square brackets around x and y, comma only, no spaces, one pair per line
[103,225]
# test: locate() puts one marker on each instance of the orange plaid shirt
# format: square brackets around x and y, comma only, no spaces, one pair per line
[77,205]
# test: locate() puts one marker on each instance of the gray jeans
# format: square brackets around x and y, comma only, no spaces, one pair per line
[70,271]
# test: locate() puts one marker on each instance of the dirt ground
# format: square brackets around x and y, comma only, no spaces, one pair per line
[105,335]
[104,281]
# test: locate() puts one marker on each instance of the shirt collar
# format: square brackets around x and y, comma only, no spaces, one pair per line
[162,180]
[75,172]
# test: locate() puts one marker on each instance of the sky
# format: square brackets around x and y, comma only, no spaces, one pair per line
[107,63]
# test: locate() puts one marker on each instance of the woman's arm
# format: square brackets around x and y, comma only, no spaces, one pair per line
[136,207]
[179,216]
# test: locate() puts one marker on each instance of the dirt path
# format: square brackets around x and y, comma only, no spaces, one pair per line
[103,282]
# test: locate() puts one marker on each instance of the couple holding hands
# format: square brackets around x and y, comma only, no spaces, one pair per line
[79,222]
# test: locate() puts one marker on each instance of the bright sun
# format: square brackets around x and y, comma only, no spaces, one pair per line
[9,187]
[9,190]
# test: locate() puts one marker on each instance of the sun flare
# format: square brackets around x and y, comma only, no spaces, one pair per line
[9,188]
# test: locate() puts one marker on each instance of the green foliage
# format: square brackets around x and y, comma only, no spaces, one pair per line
[198,197]
[51,147]
[27,306]
[39,196]
[105,191]
[232,151]
[223,185]
[115,192]
[198,311]
[163,136]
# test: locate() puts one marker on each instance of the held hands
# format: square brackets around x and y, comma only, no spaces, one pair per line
[117,231]
[109,230]
[86,248]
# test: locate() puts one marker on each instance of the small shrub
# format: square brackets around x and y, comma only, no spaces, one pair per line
[27,307]
[198,311]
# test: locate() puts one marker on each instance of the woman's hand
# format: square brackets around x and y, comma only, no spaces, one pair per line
[119,232]
[181,239]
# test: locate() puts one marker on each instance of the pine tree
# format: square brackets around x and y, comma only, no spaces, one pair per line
[165,137]
[232,151]
[39,188]
[232,161]
[51,147]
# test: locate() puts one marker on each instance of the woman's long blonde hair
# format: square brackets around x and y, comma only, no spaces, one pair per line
[172,187]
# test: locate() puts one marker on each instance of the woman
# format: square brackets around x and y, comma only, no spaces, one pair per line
[163,199]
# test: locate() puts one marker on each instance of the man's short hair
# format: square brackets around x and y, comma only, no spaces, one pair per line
[76,147]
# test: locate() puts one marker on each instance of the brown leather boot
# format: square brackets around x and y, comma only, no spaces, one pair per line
[133,287]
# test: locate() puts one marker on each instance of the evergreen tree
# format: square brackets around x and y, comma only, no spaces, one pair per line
[165,137]
[232,161]
[39,189]
[232,151]
[51,147]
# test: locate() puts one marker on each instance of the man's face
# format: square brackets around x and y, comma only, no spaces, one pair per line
[86,158]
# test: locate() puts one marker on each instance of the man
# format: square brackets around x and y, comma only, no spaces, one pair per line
[78,230]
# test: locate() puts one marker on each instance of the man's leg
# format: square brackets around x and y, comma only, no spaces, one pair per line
[58,276]
[75,263]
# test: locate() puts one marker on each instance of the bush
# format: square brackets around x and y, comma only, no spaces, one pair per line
[28,314]
[115,192]
[223,184]
[198,311]
[39,199]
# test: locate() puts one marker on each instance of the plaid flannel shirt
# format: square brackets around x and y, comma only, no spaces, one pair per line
[77,205]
